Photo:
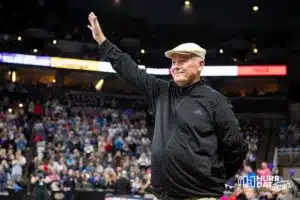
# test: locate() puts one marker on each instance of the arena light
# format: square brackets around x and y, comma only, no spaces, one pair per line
[187,3]
[255,8]
[35,50]
[19,38]
[20,105]
[221,51]
[158,71]
[99,85]
[219,71]
[9,110]
[54,42]
[14,77]
[255,50]
[187,7]
[143,51]
[117,2]
[262,70]
[106,67]
[15,58]
[76,64]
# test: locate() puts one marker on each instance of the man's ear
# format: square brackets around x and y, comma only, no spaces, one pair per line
[201,65]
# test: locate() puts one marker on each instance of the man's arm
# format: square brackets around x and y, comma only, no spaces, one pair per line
[128,70]
[230,136]
[124,65]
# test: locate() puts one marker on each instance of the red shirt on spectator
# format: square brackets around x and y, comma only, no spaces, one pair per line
[37,109]
[37,139]
[233,197]
[108,146]
[46,168]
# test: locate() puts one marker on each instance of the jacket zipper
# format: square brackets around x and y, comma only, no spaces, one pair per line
[167,146]
[174,122]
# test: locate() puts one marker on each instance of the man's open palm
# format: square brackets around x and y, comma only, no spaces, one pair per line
[95,28]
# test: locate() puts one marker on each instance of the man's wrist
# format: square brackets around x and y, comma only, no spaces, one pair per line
[101,40]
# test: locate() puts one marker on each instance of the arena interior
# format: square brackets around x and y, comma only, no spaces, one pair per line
[68,119]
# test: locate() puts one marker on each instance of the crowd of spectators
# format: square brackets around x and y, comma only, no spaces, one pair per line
[57,141]
[93,150]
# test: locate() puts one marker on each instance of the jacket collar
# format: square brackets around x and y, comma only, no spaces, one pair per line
[189,88]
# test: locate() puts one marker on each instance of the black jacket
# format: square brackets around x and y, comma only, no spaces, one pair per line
[197,143]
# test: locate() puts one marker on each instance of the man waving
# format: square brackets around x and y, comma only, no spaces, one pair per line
[197,143]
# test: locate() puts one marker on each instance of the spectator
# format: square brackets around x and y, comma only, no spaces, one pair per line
[17,167]
[264,173]
[119,143]
[144,161]
[21,142]
[122,185]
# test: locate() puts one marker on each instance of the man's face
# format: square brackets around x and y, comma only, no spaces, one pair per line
[186,69]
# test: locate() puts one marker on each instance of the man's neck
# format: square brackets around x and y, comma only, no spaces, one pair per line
[191,83]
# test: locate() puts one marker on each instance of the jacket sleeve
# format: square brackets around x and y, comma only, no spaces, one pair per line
[230,136]
[129,71]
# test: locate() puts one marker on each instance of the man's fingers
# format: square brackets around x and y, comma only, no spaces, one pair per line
[95,20]
[90,18]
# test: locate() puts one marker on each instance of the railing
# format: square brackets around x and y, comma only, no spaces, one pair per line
[288,156]
[275,159]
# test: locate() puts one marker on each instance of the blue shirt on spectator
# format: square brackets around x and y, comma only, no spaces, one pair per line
[21,144]
[119,144]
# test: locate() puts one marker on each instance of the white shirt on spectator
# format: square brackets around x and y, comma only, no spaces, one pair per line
[99,169]
[108,169]
[144,161]
[112,132]
[17,165]
[88,148]
[145,141]
[38,127]
[56,167]
[11,116]
[11,135]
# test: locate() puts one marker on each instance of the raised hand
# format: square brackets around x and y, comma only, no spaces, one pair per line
[94,26]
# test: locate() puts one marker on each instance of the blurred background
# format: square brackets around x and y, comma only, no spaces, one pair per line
[71,128]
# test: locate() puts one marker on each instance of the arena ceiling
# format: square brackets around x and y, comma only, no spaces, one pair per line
[226,15]
[224,18]
[155,26]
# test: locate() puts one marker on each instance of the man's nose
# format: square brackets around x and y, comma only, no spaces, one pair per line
[175,67]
